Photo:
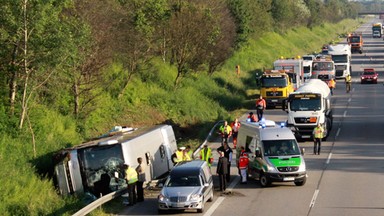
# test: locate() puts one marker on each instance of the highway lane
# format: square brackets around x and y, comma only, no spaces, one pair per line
[346,179]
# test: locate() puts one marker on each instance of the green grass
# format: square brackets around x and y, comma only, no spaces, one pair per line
[192,108]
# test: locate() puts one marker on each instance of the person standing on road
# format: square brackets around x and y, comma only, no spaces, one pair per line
[226,131]
[140,169]
[235,130]
[206,155]
[318,134]
[261,105]
[221,170]
[228,154]
[131,178]
[348,82]
[243,167]
[332,85]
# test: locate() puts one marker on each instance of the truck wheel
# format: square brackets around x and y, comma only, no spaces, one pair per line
[264,180]
[301,183]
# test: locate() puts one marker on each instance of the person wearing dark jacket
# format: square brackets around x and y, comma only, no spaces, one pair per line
[221,170]
[228,154]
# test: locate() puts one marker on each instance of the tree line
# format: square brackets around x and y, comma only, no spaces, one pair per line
[54,53]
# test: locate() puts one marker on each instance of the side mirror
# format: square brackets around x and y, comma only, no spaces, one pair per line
[160,185]
[206,185]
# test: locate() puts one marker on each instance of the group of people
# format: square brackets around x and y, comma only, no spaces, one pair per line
[182,154]
[135,178]
[348,83]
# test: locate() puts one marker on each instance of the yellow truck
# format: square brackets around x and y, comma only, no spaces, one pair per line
[276,85]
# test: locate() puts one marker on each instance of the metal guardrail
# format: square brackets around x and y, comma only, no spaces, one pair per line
[95,204]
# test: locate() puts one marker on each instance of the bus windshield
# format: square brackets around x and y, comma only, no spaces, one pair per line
[97,160]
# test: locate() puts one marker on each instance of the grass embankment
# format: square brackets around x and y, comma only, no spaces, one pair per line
[192,108]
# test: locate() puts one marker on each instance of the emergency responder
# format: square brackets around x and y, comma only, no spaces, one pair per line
[131,178]
[226,131]
[206,155]
[332,85]
[261,105]
[189,152]
[348,82]
[252,118]
[178,155]
[243,167]
[185,156]
[318,134]
[235,130]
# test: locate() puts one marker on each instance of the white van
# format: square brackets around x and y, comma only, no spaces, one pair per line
[274,154]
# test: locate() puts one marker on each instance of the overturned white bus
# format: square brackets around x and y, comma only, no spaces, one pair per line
[80,168]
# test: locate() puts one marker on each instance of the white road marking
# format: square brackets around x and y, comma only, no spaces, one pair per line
[349,100]
[329,158]
[314,199]
[345,113]
[338,131]
[219,200]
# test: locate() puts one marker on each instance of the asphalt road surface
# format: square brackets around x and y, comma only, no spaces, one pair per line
[346,179]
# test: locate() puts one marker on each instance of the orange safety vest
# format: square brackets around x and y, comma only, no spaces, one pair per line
[331,83]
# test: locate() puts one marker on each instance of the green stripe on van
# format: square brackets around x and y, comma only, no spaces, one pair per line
[293,161]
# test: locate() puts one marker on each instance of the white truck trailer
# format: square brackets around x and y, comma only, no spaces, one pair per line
[307,66]
[78,168]
[308,106]
[341,55]
[274,154]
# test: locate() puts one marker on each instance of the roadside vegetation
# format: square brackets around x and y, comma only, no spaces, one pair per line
[71,70]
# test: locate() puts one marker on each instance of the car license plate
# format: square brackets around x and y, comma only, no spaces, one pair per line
[306,136]
[369,79]
[178,205]
[289,179]
[274,100]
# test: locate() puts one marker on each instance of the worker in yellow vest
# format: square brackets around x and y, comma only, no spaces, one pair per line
[318,134]
[206,155]
[131,178]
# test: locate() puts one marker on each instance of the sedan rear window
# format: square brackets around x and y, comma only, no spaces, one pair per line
[183,181]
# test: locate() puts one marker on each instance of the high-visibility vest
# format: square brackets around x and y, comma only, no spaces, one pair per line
[185,156]
[331,83]
[318,132]
[179,156]
[243,162]
[206,154]
[131,175]
[225,129]
[348,79]
[235,126]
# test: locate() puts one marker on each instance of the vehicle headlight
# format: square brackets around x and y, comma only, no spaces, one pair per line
[271,168]
[162,198]
[195,197]
[302,167]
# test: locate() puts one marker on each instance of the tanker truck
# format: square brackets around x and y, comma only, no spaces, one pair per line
[308,106]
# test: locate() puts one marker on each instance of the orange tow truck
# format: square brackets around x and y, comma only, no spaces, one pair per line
[355,40]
